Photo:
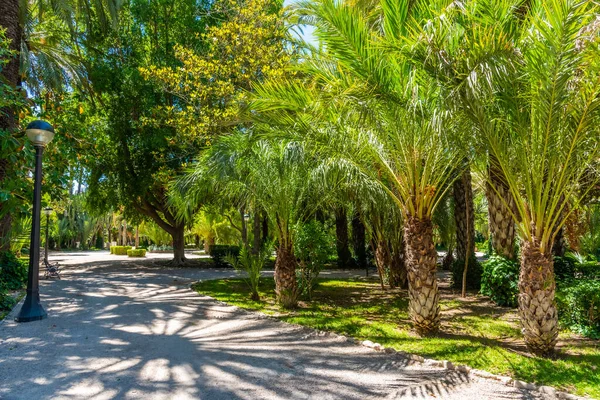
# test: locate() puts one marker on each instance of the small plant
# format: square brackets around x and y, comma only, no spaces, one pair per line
[500,281]
[313,248]
[252,265]
[136,253]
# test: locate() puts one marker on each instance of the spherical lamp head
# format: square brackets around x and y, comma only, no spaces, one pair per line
[47,210]
[40,132]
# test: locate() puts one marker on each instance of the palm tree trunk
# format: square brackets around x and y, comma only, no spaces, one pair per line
[382,258]
[9,20]
[421,260]
[286,287]
[502,226]
[398,273]
[537,308]
[358,241]
[342,242]
[464,216]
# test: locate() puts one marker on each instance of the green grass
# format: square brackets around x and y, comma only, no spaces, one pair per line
[474,332]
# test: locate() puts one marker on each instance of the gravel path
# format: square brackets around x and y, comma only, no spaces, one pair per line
[120,330]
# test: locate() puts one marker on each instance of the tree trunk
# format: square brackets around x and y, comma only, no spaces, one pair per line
[499,198]
[398,274]
[342,243]
[286,287]
[137,237]
[382,259]
[464,216]
[178,245]
[559,248]
[265,228]
[9,19]
[256,227]
[421,259]
[124,239]
[358,241]
[536,299]
[244,230]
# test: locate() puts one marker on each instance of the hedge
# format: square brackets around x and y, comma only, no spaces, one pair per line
[136,253]
[218,252]
[119,250]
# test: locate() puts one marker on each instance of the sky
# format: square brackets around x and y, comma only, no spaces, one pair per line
[307,31]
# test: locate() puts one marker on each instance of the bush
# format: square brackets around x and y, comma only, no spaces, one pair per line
[13,272]
[119,250]
[500,281]
[473,274]
[312,247]
[578,303]
[7,302]
[136,253]
[218,252]
[574,265]
[159,249]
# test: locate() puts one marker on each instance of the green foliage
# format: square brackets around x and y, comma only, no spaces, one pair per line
[13,272]
[7,302]
[119,250]
[219,252]
[578,303]
[500,280]
[473,273]
[252,265]
[136,253]
[312,247]
[574,265]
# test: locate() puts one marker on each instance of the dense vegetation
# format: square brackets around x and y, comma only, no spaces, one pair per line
[400,129]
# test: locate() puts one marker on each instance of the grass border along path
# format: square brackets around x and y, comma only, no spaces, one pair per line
[474,332]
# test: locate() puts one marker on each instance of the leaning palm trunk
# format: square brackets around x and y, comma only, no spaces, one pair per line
[464,216]
[500,201]
[382,259]
[536,299]
[398,275]
[286,286]
[421,260]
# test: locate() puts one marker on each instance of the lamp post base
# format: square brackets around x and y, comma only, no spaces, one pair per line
[32,309]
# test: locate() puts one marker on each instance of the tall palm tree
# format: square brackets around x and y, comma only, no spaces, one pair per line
[528,80]
[378,122]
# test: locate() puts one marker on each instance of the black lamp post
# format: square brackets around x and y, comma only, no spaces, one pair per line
[47,211]
[40,133]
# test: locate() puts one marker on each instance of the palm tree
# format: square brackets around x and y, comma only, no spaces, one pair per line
[378,122]
[277,176]
[529,86]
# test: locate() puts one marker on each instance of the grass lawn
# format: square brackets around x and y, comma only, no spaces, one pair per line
[474,331]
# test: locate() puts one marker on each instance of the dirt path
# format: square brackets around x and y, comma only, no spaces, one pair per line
[120,330]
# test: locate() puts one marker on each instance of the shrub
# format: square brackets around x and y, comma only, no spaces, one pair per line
[119,250]
[7,302]
[578,303]
[218,252]
[500,281]
[13,272]
[136,253]
[252,264]
[312,248]
[473,274]
[574,265]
